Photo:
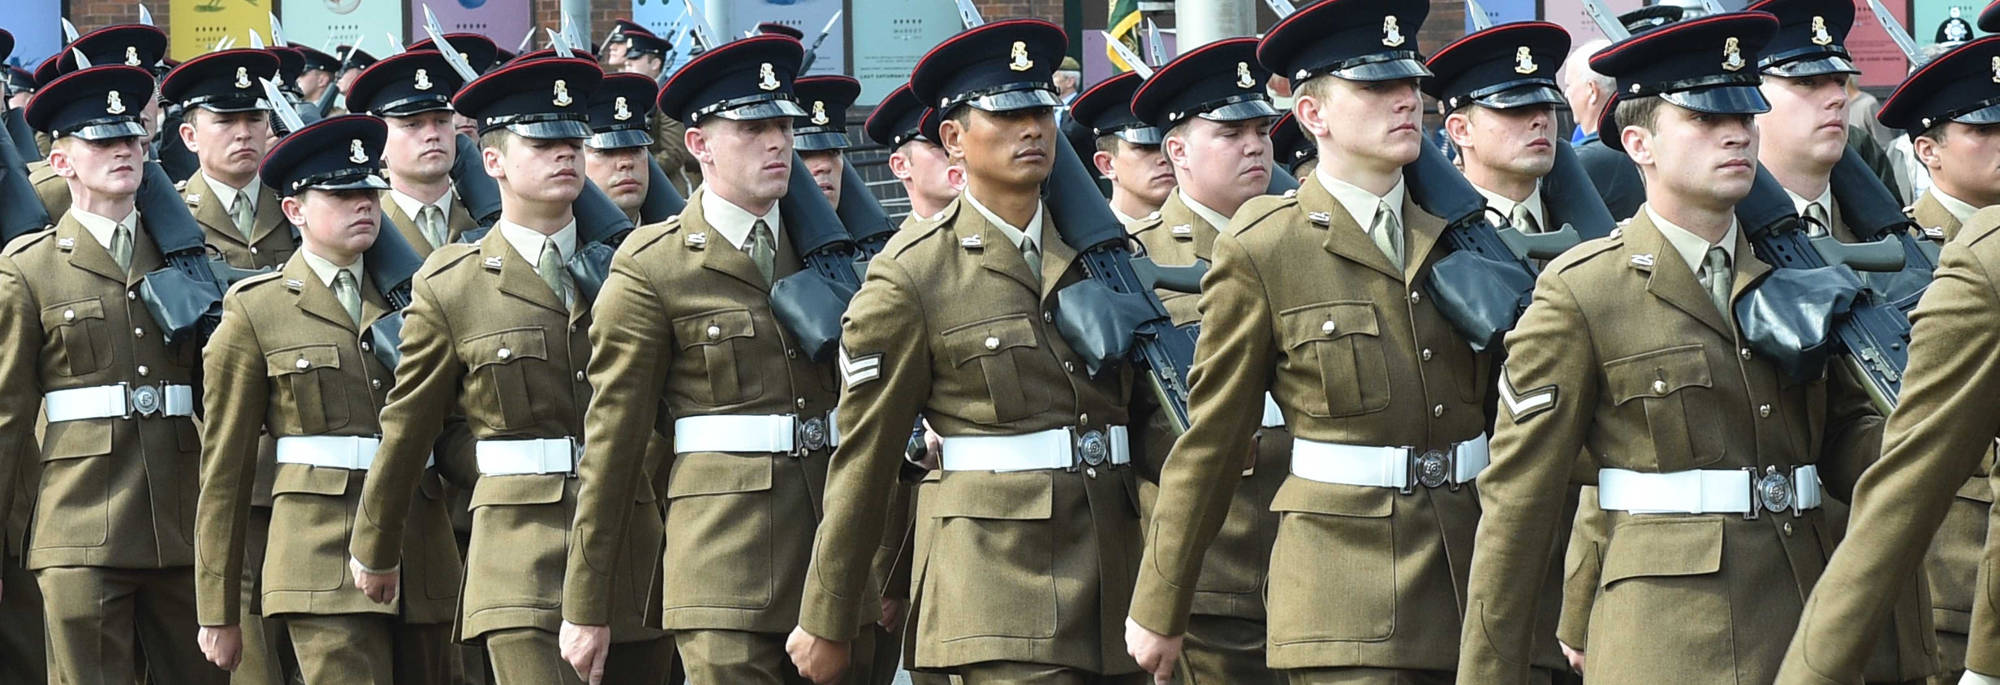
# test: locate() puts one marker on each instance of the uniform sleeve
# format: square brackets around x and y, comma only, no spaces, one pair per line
[427,382]
[1548,391]
[234,401]
[885,369]
[631,350]
[20,349]
[1852,438]
[1584,568]
[1944,424]
[1233,364]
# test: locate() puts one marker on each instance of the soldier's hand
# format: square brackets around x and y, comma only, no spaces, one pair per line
[585,648]
[933,447]
[1155,653]
[818,659]
[1575,656]
[892,613]
[221,645]
[380,587]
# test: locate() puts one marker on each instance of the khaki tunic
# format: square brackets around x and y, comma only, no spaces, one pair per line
[456,224]
[270,243]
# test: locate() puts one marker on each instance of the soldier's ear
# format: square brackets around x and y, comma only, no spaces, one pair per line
[697,144]
[1458,128]
[186,131]
[1311,114]
[1925,148]
[59,158]
[1638,143]
[949,131]
[1102,160]
[294,208]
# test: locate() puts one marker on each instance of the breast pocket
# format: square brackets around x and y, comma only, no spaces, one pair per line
[499,364]
[82,337]
[1342,343]
[308,382]
[721,340]
[1002,349]
[1669,386]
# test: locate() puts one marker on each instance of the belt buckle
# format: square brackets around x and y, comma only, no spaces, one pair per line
[145,400]
[812,435]
[1432,468]
[1093,448]
[1769,491]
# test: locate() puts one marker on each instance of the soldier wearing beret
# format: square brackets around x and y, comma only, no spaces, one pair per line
[1121,148]
[412,92]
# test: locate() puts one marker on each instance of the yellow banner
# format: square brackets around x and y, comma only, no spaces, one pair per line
[199,24]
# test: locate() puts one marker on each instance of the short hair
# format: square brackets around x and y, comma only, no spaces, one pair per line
[1935,132]
[1643,112]
[1318,87]
[1108,143]
[496,138]
[1578,63]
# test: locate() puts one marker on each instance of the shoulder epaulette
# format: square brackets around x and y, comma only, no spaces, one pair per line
[1257,209]
[248,282]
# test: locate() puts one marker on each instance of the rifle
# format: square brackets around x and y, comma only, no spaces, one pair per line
[1570,196]
[185,296]
[16,191]
[810,303]
[813,51]
[662,201]
[332,90]
[1873,213]
[862,214]
[391,264]
[22,137]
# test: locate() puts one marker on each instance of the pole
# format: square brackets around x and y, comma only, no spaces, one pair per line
[1202,22]
[577,13]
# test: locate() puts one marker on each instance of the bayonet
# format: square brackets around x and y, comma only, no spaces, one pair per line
[1606,20]
[1897,34]
[702,32]
[278,32]
[969,15]
[444,47]
[288,117]
[1126,54]
[1480,19]
[1156,47]
[256,41]
[559,44]
[145,15]
[1282,8]
[69,31]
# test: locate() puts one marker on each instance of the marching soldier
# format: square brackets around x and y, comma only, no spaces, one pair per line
[645,53]
[1320,299]
[22,652]
[909,130]
[1028,537]
[110,543]
[1291,147]
[134,45]
[292,359]
[1631,349]
[821,135]
[1617,179]
[687,339]
[353,62]
[1210,103]
[615,152]
[1940,438]
[319,72]
[495,332]
[1122,148]
[228,127]
[412,92]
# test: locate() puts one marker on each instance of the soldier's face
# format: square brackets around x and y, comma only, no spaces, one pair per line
[537,170]
[1966,162]
[614,55]
[1008,148]
[749,162]
[465,125]
[1704,159]
[1141,170]
[621,172]
[337,225]
[229,144]
[649,65]
[924,170]
[1221,164]
[105,167]
[1372,123]
[312,81]
[346,80]
[826,167]
[421,147]
[1515,142]
[1807,121]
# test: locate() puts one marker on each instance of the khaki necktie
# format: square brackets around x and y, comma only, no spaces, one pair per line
[1387,233]
[1716,276]
[1033,255]
[1817,221]
[121,247]
[550,267]
[242,214]
[430,220]
[764,250]
[349,294]
[1524,220]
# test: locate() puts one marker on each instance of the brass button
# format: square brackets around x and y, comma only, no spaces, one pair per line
[69,315]
[131,294]
[791,354]
[1659,387]
[1425,354]
[253,250]
[143,371]
[1090,471]
[505,353]
[302,363]
[714,332]
[374,384]
[1437,410]
[1048,317]
[1763,411]
[579,376]
[1327,327]
[800,403]
[1069,367]
[1744,353]
[1788,528]
[572,327]
[366,347]
[1083,419]
[992,343]
[138,332]
[1416,297]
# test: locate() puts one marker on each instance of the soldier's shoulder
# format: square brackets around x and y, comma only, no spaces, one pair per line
[922,235]
[1980,228]
[42,239]
[1591,252]
[448,258]
[649,235]
[1263,210]
[242,287]
[1145,224]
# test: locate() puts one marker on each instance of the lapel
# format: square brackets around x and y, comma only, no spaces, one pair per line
[1056,256]
[1930,213]
[1344,237]
[145,254]
[1746,269]
[207,209]
[269,215]
[406,225]
[996,252]
[1197,242]
[460,220]
[314,297]
[1421,231]
[372,305]
[85,253]
[1670,278]
[517,278]
[717,253]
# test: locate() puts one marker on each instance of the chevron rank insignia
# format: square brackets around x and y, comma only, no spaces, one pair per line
[858,370]
[1521,405]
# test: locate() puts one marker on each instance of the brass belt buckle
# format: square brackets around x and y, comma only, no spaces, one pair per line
[811,435]
[1092,448]
[145,400]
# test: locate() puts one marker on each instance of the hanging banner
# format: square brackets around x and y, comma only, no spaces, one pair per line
[504,21]
[326,24]
[808,16]
[37,29]
[890,36]
[198,24]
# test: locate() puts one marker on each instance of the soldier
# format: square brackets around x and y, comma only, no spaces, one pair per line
[1122,148]
[481,54]
[320,70]
[821,135]
[909,130]
[412,92]
[671,153]
[615,153]
[1387,402]
[228,128]
[351,66]
[1291,147]
[1028,536]
[1613,173]
[1940,435]
[292,358]
[110,540]
[1632,351]
[1210,103]
[129,44]
[22,657]
[645,54]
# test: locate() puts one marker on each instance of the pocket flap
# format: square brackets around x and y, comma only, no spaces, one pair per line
[71,312]
[301,359]
[1634,549]
[715,473]
[299,479]
[710,328]
[1313,497]
[1328,321]
[72,439]
[518,490]
[505,347]
[985,338]
[1656,374]
[1024,496]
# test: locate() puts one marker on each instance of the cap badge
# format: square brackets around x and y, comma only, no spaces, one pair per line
[1819,34]
[1996,70]
[423,79]
[1524,61]
[819,113]
[562,94]
[1020,57]
[113,104]
[1732,54]
[620,110]
[242,77]
[355,154]
[1392,36]
[132,56]
[1243,79]
[767,79]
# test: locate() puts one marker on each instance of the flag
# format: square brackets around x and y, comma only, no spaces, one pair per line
[1124,22]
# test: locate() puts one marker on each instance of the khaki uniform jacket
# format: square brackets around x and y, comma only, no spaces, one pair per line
[456,224]
[684,328]
[1234,570]
[52,189]
[71,319]
[287,361]
[1623,355]
[1032,566]
[485,338]
[269,245]
[1354,353]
